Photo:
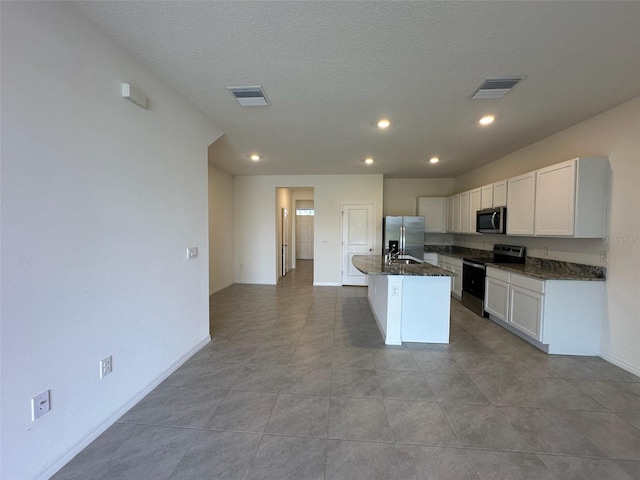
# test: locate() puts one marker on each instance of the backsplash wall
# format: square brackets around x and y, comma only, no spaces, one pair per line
[575,250]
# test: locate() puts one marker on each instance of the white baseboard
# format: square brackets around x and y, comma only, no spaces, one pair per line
[618,362]
[94,433]
[326,284]
[215,290]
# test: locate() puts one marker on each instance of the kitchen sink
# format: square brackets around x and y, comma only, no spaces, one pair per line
[405,261]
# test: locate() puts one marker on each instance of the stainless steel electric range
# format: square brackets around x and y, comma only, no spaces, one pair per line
[474,272]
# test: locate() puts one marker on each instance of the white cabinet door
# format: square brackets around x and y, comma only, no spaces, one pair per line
[434,211]
[525,310]
[500,194]
[496,298]
[454,265]
[463,225]
[486,196]
[451,213]
[521,204]
[474,206]
[456,287]
[555,199]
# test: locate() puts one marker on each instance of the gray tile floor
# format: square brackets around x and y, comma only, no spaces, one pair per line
[297,384]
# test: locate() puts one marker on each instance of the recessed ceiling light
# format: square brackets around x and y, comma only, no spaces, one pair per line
[384,123]
[486,120]
[368,161]
[434,160]
[255,157]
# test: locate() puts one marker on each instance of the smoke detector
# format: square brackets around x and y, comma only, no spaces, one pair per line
[249,96]
[496,87]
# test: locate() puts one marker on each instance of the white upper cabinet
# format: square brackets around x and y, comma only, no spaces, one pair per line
[500,194]
[474,205]
[521,204]
[463,220]
[453,214]
[486,196]
[434,211]
[568,199]
[494,195]
[571,199]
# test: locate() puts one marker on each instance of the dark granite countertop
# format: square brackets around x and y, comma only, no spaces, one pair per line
[561,272]
[374,265]
[538,268]
[457,252]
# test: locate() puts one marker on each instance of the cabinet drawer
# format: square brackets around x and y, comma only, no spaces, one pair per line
[528,283]
[456,262]
[498,274]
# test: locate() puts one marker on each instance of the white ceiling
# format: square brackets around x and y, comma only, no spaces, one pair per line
[331,69]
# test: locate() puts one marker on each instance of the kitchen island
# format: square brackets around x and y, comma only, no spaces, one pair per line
[410,302]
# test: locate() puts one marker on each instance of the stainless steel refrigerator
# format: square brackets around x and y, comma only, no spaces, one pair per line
[404,234]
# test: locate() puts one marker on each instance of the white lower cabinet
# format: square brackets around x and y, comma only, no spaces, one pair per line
[525,310]
[496,301]
[453,264]
[559,316]
[456,288]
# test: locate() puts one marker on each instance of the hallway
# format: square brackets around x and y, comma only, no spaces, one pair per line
[297,384]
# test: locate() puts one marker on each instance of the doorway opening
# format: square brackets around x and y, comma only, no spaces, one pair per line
[295,230]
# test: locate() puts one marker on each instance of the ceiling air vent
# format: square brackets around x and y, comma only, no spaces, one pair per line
[495,87]
[249,96]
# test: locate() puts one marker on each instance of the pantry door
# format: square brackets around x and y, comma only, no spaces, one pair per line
[358,238]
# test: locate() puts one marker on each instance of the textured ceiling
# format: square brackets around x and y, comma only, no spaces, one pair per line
[331,69]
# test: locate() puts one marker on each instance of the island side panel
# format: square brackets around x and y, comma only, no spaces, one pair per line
[385,297]
[426,309]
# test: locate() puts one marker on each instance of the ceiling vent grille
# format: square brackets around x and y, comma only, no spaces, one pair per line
[249,96]
[496,87]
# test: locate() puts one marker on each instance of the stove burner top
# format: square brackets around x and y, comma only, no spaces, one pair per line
[501,254]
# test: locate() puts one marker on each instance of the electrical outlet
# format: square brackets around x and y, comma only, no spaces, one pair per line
[192,252]
[40,405]
[604,257]
[547,250]
[106,366]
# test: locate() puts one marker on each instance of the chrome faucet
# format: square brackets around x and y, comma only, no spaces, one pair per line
[391,255]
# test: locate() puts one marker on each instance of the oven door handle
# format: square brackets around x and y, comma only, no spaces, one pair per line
[474,265]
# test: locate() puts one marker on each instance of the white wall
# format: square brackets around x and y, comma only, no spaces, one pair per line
[220,229]
[400,194]
[100,200]
[283,201]
[615,134]
[255,222]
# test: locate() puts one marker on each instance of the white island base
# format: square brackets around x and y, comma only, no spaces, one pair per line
[411,308]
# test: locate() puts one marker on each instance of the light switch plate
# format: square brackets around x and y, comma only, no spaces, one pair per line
[192,252]
[40,405]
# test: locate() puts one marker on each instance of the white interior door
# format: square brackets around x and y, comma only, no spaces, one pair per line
[304,237]
[285,242]
[358,238]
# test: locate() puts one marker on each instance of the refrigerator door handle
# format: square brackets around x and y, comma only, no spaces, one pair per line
[402,240]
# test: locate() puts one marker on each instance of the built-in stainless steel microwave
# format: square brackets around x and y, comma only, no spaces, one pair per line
[491,220]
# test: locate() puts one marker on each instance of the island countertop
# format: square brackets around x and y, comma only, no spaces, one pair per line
[375,265]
